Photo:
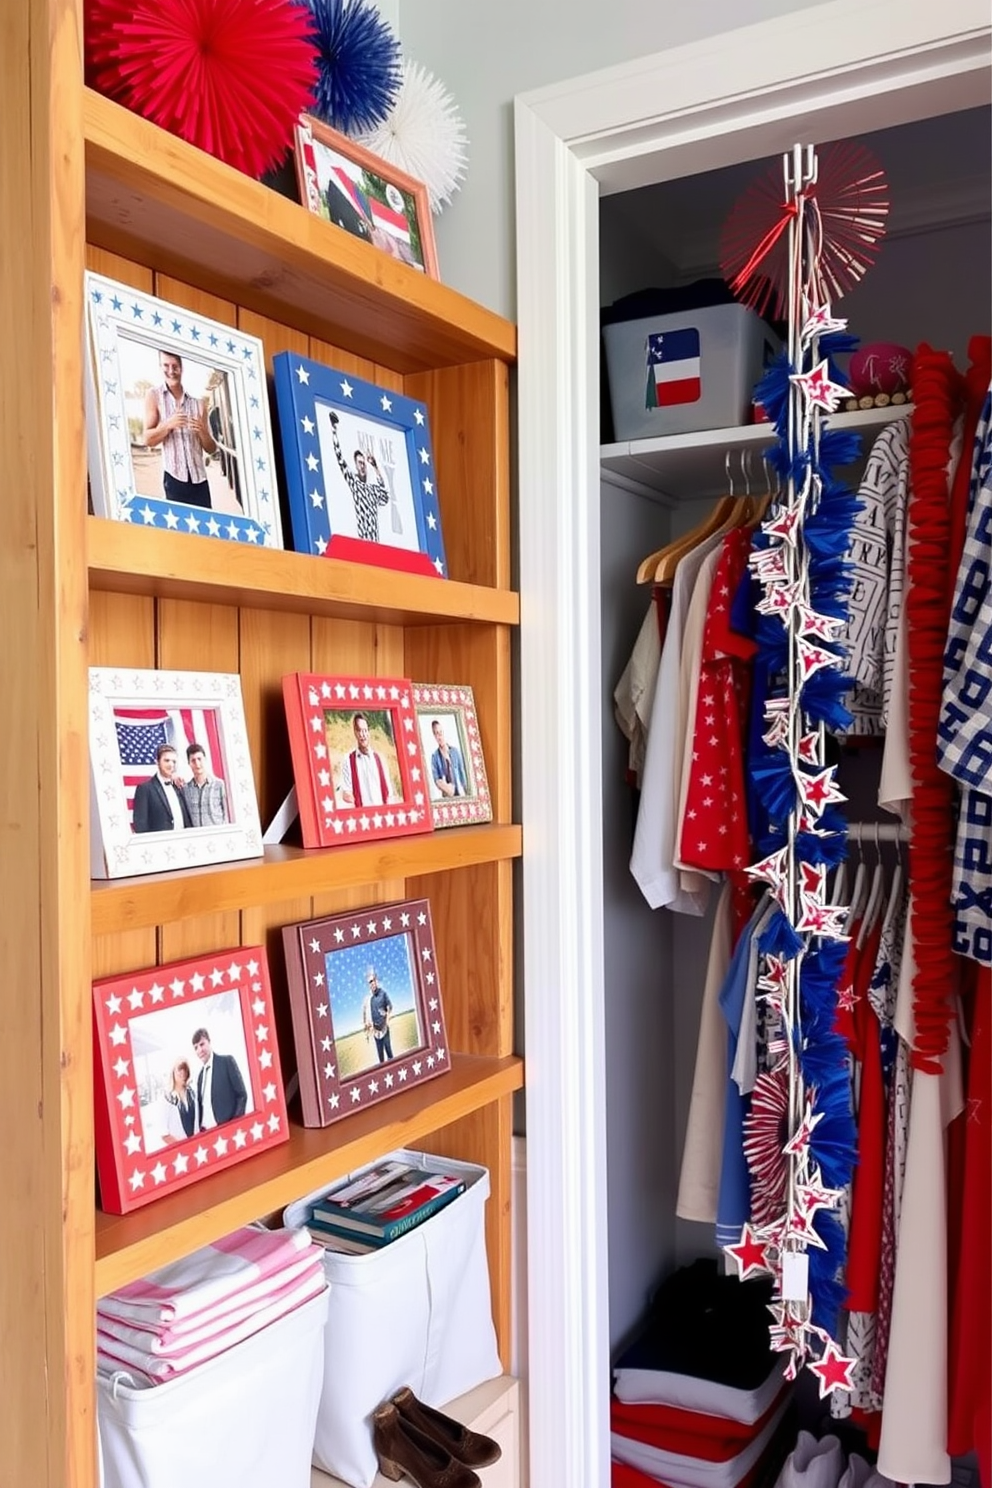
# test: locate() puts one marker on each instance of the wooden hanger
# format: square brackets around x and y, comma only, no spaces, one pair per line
[729,512]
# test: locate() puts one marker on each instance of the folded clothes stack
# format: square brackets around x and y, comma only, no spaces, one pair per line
[699,1398]
[188,1312]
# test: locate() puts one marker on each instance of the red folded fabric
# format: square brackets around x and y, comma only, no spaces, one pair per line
[690,1433]
[622,1475]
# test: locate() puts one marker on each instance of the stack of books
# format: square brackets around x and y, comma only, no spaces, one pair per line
[700,1400]
[376,1208]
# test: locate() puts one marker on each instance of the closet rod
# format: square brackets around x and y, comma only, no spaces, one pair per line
[869,832]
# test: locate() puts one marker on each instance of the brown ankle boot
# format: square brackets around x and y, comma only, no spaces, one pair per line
[404,1448]
[470,1447]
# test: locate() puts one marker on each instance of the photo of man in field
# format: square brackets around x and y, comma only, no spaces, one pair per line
[373,1001]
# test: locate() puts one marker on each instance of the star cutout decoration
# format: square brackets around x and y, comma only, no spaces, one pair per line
[833,1370]
[817,388]
[820,322]
[750,1254]
[798,1143]
[819,789]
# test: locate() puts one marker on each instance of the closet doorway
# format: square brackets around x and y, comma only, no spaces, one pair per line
[834,70]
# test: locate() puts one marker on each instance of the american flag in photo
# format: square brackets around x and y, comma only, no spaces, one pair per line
[140,731]
[673,369]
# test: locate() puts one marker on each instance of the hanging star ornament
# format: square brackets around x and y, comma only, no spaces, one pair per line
[820,789]
[818,390]
[821,322]
[750,1254]
[798,1143]
[833,1370]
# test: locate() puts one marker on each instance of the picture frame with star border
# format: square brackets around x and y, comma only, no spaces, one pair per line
[135,715]
[369,197]
[359,469]
[356,758]
[365,998]
[451,751]
[150,362]
[161,1122]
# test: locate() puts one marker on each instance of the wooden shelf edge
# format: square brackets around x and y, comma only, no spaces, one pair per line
[173,565]
[148,190]
[129,1246]
[291,873]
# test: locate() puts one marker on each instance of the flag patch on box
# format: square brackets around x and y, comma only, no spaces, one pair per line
[673,369]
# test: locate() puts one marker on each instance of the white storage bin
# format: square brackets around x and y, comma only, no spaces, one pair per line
[417,1312]
[243,1420]
[691,369]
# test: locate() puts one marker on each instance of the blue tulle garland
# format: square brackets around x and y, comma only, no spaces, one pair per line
[820,1050]
[359,65]
[827,1291]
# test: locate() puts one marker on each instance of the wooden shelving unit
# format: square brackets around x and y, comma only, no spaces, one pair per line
[104,189]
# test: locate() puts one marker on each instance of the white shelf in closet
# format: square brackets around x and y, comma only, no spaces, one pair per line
[694,466]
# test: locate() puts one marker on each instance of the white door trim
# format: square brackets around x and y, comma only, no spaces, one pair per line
[835,69]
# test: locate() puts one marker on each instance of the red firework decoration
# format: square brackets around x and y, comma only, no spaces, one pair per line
[230,76]
[766,1130]
[847,206]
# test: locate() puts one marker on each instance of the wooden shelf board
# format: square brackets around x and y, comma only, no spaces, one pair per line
[131,1245]
[291,873]
[154,198]
[691,465]
[175,565]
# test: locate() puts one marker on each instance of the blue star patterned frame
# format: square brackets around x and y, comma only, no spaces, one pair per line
[178,429]
[359,469]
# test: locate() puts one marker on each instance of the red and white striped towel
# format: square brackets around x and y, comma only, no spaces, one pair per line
[174,1339]
[211,1279]
[114,1355]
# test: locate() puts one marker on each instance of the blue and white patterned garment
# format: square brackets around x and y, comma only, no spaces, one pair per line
[964,735]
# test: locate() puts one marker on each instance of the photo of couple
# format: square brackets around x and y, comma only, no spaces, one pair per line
[184,1094]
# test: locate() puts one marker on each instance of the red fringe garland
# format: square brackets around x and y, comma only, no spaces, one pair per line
[936,397]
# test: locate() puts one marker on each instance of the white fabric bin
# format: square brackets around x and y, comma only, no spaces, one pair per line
[417,1312]
[242,1420]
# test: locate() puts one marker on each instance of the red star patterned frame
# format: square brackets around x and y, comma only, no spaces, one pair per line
[157,1129]
[356,758]
[451,750]
[365,996]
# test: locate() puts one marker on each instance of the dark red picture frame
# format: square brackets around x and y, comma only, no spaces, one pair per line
[143,1026]
[328,961]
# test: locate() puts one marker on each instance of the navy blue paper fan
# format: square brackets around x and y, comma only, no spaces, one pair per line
[358,60]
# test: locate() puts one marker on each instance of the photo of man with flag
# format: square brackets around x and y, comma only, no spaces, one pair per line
[366,204]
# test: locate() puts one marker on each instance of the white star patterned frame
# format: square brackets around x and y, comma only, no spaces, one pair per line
[171,1107]
[365,996]
[360,475]
[451,754]
[356,758]
[228,470]
[135,827]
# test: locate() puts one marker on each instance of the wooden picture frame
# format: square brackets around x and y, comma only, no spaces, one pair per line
[145,1027]
[136,715]
[345,1064]
[132,338]
[368,197]
[359,465]
[451,751]
[355,784]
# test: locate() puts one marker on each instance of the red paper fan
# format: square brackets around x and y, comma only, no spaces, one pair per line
[766,1130]
[230,76]
[849,203]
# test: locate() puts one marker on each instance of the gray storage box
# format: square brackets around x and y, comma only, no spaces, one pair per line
[690,369]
